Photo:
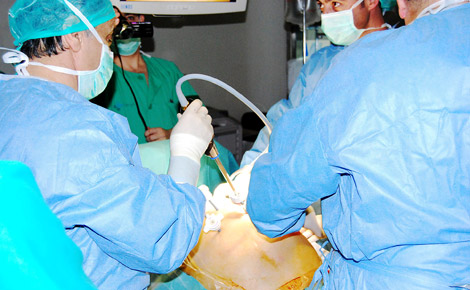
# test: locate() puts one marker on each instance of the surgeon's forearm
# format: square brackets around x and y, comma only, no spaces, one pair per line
[184,170]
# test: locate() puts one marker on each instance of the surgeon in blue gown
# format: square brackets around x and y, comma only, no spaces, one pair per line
[309,75]
[384,141]
[368,18]
[126,220]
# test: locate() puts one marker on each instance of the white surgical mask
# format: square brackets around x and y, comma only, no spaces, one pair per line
[128,46]
[339,26]
[90,83]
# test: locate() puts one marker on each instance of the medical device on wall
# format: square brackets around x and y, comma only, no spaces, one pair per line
[182,7]
[302,13]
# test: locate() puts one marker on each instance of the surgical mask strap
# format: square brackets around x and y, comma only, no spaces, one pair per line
[16,57]
[356,4]
[62,69]
[85,20]
[92,30]
[388,26]
[22,61]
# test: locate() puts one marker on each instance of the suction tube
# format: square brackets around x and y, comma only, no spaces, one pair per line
[223,85]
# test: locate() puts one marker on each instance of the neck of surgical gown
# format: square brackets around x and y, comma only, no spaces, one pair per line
[384,140]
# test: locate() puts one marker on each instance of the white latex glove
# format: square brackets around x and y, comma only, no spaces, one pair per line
[188,142]
[312,239]
[313,223]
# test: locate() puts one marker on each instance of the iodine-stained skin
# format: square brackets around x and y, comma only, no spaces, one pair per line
[238,257]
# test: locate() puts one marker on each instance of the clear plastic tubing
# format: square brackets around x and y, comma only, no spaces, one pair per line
[184,102]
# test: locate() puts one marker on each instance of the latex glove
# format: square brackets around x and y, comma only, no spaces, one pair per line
[188,142]
[312,239]
[157,134]
[310,236]
[313,223]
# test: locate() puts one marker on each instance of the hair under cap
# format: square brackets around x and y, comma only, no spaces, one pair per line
[32,19]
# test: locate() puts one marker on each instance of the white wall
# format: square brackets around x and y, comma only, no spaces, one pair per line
[246,50]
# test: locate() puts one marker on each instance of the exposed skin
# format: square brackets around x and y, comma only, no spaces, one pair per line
[135,63]
[409,10]
[82,52]
[366,15]
[255,261]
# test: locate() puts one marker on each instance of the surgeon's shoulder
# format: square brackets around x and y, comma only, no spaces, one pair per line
[63,102]
[365,51]
[21,83]
[101,119]
[322,57]
[378,41]
[330,49]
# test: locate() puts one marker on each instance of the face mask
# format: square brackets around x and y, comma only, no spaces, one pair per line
[339,26]
[90,83]
[128,46]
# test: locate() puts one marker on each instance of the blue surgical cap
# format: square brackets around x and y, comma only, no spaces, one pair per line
[32,19]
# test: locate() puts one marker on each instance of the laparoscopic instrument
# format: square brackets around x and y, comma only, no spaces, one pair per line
[212,150]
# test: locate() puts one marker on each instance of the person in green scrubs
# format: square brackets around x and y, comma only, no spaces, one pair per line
[153,112]
[153,81]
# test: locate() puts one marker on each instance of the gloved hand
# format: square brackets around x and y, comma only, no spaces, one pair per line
[312,223]
[188,142]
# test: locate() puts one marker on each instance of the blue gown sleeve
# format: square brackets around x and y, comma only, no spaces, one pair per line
[304,85]
[290,177]
[145,221]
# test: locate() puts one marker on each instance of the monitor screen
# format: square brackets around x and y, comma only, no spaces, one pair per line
[181,7]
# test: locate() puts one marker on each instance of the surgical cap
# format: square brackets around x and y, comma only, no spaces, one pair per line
[388,5]
[32,19]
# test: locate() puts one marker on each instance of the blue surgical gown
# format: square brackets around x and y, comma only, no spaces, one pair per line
[384,140]
[308,78]
[35,252]
[125,219]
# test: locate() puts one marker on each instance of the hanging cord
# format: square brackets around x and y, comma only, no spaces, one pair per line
[132,91]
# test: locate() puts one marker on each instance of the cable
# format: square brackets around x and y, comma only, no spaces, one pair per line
[132,91]
[223,85]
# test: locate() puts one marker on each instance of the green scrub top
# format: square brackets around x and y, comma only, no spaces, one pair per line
[157,100]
